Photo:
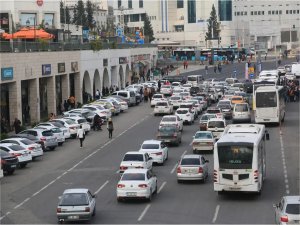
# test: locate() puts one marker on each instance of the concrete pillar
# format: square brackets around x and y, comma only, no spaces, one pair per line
[78,88]
[34,100]
[65,87]
[15,104]
[51,95]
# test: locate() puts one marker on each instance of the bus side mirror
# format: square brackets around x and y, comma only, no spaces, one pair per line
[267,136]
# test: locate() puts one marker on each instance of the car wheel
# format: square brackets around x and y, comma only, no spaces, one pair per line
[52,148]
[60,143]
[10,172]
[179,181]
[155,192]
[150,196]
[94,211]
[22,165]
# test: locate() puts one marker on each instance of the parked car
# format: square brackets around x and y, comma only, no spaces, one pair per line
[23,155]
[86,126]
[128,95]
[34,148]
[192,167]
[28,136]
[185,115]
[172,120]
[163,107]
[169,134]
[136,160]
[83,112]
[241,113]
[73,126]
[9,162]
[46,137]
[123,104]
[76,204]
[287,211]
[157,150]
[101,110]
[137,183]
[203,141]
[52,124]
[58,133]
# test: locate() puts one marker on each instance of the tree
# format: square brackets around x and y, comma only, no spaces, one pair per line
[62,12]
[213,25]
[90,12]
[74,21]
[68,16]
[148,30]
[80,16]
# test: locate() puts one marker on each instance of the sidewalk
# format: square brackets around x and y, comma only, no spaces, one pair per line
[191,67]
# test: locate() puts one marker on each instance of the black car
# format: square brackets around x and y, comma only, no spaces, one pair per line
[169,134]
[9,162]
[194,90]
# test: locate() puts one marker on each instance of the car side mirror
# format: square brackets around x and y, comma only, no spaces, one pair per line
[207,161]
[59,197]
[94,196]
[267,136]
[193,136]
[275,205]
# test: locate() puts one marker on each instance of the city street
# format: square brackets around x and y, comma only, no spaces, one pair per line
[31,194]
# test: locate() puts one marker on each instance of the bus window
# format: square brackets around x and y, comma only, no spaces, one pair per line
[266,99]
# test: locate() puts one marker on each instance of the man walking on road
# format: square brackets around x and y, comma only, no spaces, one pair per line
[81,135]
[110,128]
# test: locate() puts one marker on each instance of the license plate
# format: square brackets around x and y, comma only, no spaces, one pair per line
[131,194]
[13,166]
[25,154]
[234,188]
[161,111]
[73,217]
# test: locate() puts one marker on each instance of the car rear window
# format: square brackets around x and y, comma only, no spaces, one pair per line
[56,130]
[4,153]
[123,94]
[133,157]
[293,209]
[74,199]
[212,124]
[168,119]
[203,135]
[70,122]
[241,108]
[236,99]
[82,121]
[27,142]
[150,146]
[190,161]
[157,96]
[175,98]
[47,133]
[133,176]
[182,111]
[162,104]
[16,147]
[213,111]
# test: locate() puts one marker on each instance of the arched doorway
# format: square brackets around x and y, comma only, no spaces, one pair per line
[127,75]
[105,80]
[97,82]
[121,78]
[86,88]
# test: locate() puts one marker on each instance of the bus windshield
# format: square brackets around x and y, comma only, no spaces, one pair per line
[192,78]
[266,99]
[235,156]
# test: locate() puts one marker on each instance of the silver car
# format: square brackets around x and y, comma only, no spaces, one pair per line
[76,205]
[192,167]
[287,211]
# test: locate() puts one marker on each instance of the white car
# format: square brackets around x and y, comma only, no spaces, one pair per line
[163,107]
[203,141]
[136,160]
[166,90]
[57,132]
[188,105]
[177,91]
[185,95]
[157,150]
[157,98]
[73,127]
[52,124]
[24,156]
[175,100]
[185,115]
[137,183]
[35,149]
[100,110]
[216,126]
[86,126]
[172,120]
[176,84]
[123,104]
[187,87]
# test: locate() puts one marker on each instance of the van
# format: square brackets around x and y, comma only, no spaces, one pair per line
[296,70]
[231,80]
[216,126]
[128,96]
[241,113]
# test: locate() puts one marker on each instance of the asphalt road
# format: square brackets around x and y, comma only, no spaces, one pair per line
[31,195]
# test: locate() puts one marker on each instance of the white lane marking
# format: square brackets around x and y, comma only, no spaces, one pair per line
[72,168]
[102,186]
[286,180]
[216,214]
[191,143]
[174,168]
[161,187]
[6,214]
[144,212]
[183,153]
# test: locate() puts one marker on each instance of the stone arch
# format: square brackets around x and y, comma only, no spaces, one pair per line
[121,78]
[105,79]
[127,75]
[97,82]
[86,88]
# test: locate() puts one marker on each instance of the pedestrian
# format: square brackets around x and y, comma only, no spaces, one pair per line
[66,105]
[110,128]
[51,116]
[127,84]
[17,125]
[215,68]
[97,95]
[159,85]
[146,94]
[266,56]
[206,69]
[151,92]
[81,135]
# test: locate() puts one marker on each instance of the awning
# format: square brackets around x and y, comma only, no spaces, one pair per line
[29,33]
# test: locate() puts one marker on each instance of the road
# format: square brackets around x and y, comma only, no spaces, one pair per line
[31,195]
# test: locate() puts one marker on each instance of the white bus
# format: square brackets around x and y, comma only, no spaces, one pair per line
[269,104]
[194,80]
[240,159]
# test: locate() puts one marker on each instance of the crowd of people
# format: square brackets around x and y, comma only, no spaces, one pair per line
[292,91]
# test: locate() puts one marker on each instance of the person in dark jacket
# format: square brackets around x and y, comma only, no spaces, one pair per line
[110,128]
[17,125]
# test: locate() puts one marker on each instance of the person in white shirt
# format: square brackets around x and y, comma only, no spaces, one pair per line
[81,135]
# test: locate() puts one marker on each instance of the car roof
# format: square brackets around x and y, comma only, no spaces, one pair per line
[216,119]
[39,129]
[191,156]
[15,139]
[152,142]
[76,190]
[134,153]
[203,131]
[292,199]
[136,171]
[7,144]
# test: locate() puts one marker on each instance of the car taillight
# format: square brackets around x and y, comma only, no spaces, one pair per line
[158,153]
[178,169]
[43,139]
[16,154]
[284,219]
[143,185]
[174,135]
[3,161]
[58,210]
[121,185]
[87,209]
[123,167]
[256,173]
[200,170]
[215,176]
[30,148]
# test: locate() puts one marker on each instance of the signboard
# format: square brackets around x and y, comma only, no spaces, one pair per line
[122,60]
[7,73]
[61,68]
[251,72]
[105,62]
[85,34]
[46,69]
[74,66]
[246,71]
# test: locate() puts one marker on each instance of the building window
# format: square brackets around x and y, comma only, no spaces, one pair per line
[191,11]
[179,4]
[130,4]
[291,11]
[242,13]
[238,13]
[258,12]
[262,12]
[276,12]
[287,11]
[294,11]
[141,3]
[134,17]
[119,3]
[143,16]
[298,11]
[255,13]
[269,12]
[225,10]
[235,13]
[126,19]
[251,13]
[273,12]
[280,11]
[245,13]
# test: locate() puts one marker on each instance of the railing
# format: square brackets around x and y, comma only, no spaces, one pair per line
[25,46]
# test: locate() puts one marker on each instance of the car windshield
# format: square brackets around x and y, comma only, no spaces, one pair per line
[16,147]
[47,133]
[175,98]
[150,146]
[161,104]
[293,209]
[181,111]
[133,176]
[157,96]
[212,124]
[56,130]
[190,161]
[70,122]
[169,119]
[203,136]
[241,108]
[27,142]
[74,199]
[133,157]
